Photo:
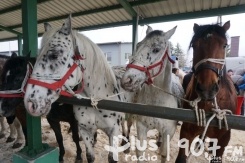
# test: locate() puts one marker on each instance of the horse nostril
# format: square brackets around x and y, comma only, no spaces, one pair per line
[216,87]
[129,80]
[199,87]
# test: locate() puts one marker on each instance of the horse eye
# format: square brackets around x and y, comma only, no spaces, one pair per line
[155,50]
[53,56]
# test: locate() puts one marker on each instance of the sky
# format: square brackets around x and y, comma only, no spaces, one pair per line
[183,33]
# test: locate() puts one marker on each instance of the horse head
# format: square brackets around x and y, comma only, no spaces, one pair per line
[148,60]
[209,45]
[16,71]
[57,69]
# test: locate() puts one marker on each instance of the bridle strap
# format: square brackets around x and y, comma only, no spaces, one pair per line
[203,65]
[147,69]
[12,95]
[58,84]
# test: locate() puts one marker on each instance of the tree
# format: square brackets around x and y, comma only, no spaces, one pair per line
[178,52]
[228,50]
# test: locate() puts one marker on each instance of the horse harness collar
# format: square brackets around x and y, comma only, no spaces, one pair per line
[147,69]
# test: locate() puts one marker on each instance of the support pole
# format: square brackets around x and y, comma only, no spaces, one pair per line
[135,33]
[34,151]
[20,45]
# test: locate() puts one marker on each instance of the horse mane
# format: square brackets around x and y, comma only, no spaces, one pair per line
[12,62]
[203,30]
[94,57]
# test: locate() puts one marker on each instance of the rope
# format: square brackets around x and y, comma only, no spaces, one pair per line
[94,101]
[219,61]
[192,103]
[220,115]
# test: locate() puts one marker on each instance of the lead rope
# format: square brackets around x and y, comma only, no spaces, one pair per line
[220,115]
[94,100]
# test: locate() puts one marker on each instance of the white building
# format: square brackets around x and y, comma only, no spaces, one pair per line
[117,53]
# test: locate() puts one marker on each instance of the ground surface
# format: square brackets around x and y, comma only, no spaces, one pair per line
[238,139]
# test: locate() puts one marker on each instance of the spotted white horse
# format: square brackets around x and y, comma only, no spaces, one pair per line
[67,59]
[151,64]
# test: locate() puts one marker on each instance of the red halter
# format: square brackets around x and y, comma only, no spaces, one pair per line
[147,69]
[21,91]
[58,84]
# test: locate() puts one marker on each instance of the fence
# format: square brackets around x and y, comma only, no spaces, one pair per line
[179,114]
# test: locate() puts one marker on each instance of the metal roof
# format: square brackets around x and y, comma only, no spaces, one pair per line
[95,14]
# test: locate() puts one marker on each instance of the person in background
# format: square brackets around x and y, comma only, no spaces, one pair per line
[230,72]
[238,78]
[180,75]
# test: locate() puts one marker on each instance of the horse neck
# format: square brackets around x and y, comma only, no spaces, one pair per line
[99,79]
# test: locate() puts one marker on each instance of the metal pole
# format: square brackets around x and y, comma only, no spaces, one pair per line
[135,33]
[186,115]
[20,45]
[29,21]
[34,151]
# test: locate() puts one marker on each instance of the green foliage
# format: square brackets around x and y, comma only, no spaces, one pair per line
[178,52]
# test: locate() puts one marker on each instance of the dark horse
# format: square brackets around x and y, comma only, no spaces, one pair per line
[13,122]
[14,75]
[209,83]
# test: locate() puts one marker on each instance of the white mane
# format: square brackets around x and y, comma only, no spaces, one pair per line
[95,58]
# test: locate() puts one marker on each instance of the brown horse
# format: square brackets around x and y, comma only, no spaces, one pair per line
[209,83]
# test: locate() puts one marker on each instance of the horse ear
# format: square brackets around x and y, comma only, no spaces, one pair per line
[47,26]
[195,27]
[66,27]
[28,56]
[13,55]
[227,25]
[149,29]
[169,33]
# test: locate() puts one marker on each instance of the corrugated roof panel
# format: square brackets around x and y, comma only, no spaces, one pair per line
[9,3]
[56,8]
[5,34]
[242,2]
[11,18]
[225,3]
[206,4]
[172,7]
[157,10]
[197,5]
[120,15]
[215,4]
[166,6]
[189,5]
[182,6]
[234,2]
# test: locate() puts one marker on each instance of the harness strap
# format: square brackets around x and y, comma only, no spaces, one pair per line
[147,69]
[58,84]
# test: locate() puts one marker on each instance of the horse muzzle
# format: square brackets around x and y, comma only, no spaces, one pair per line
[131,82]
[38,108]
[207,93]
